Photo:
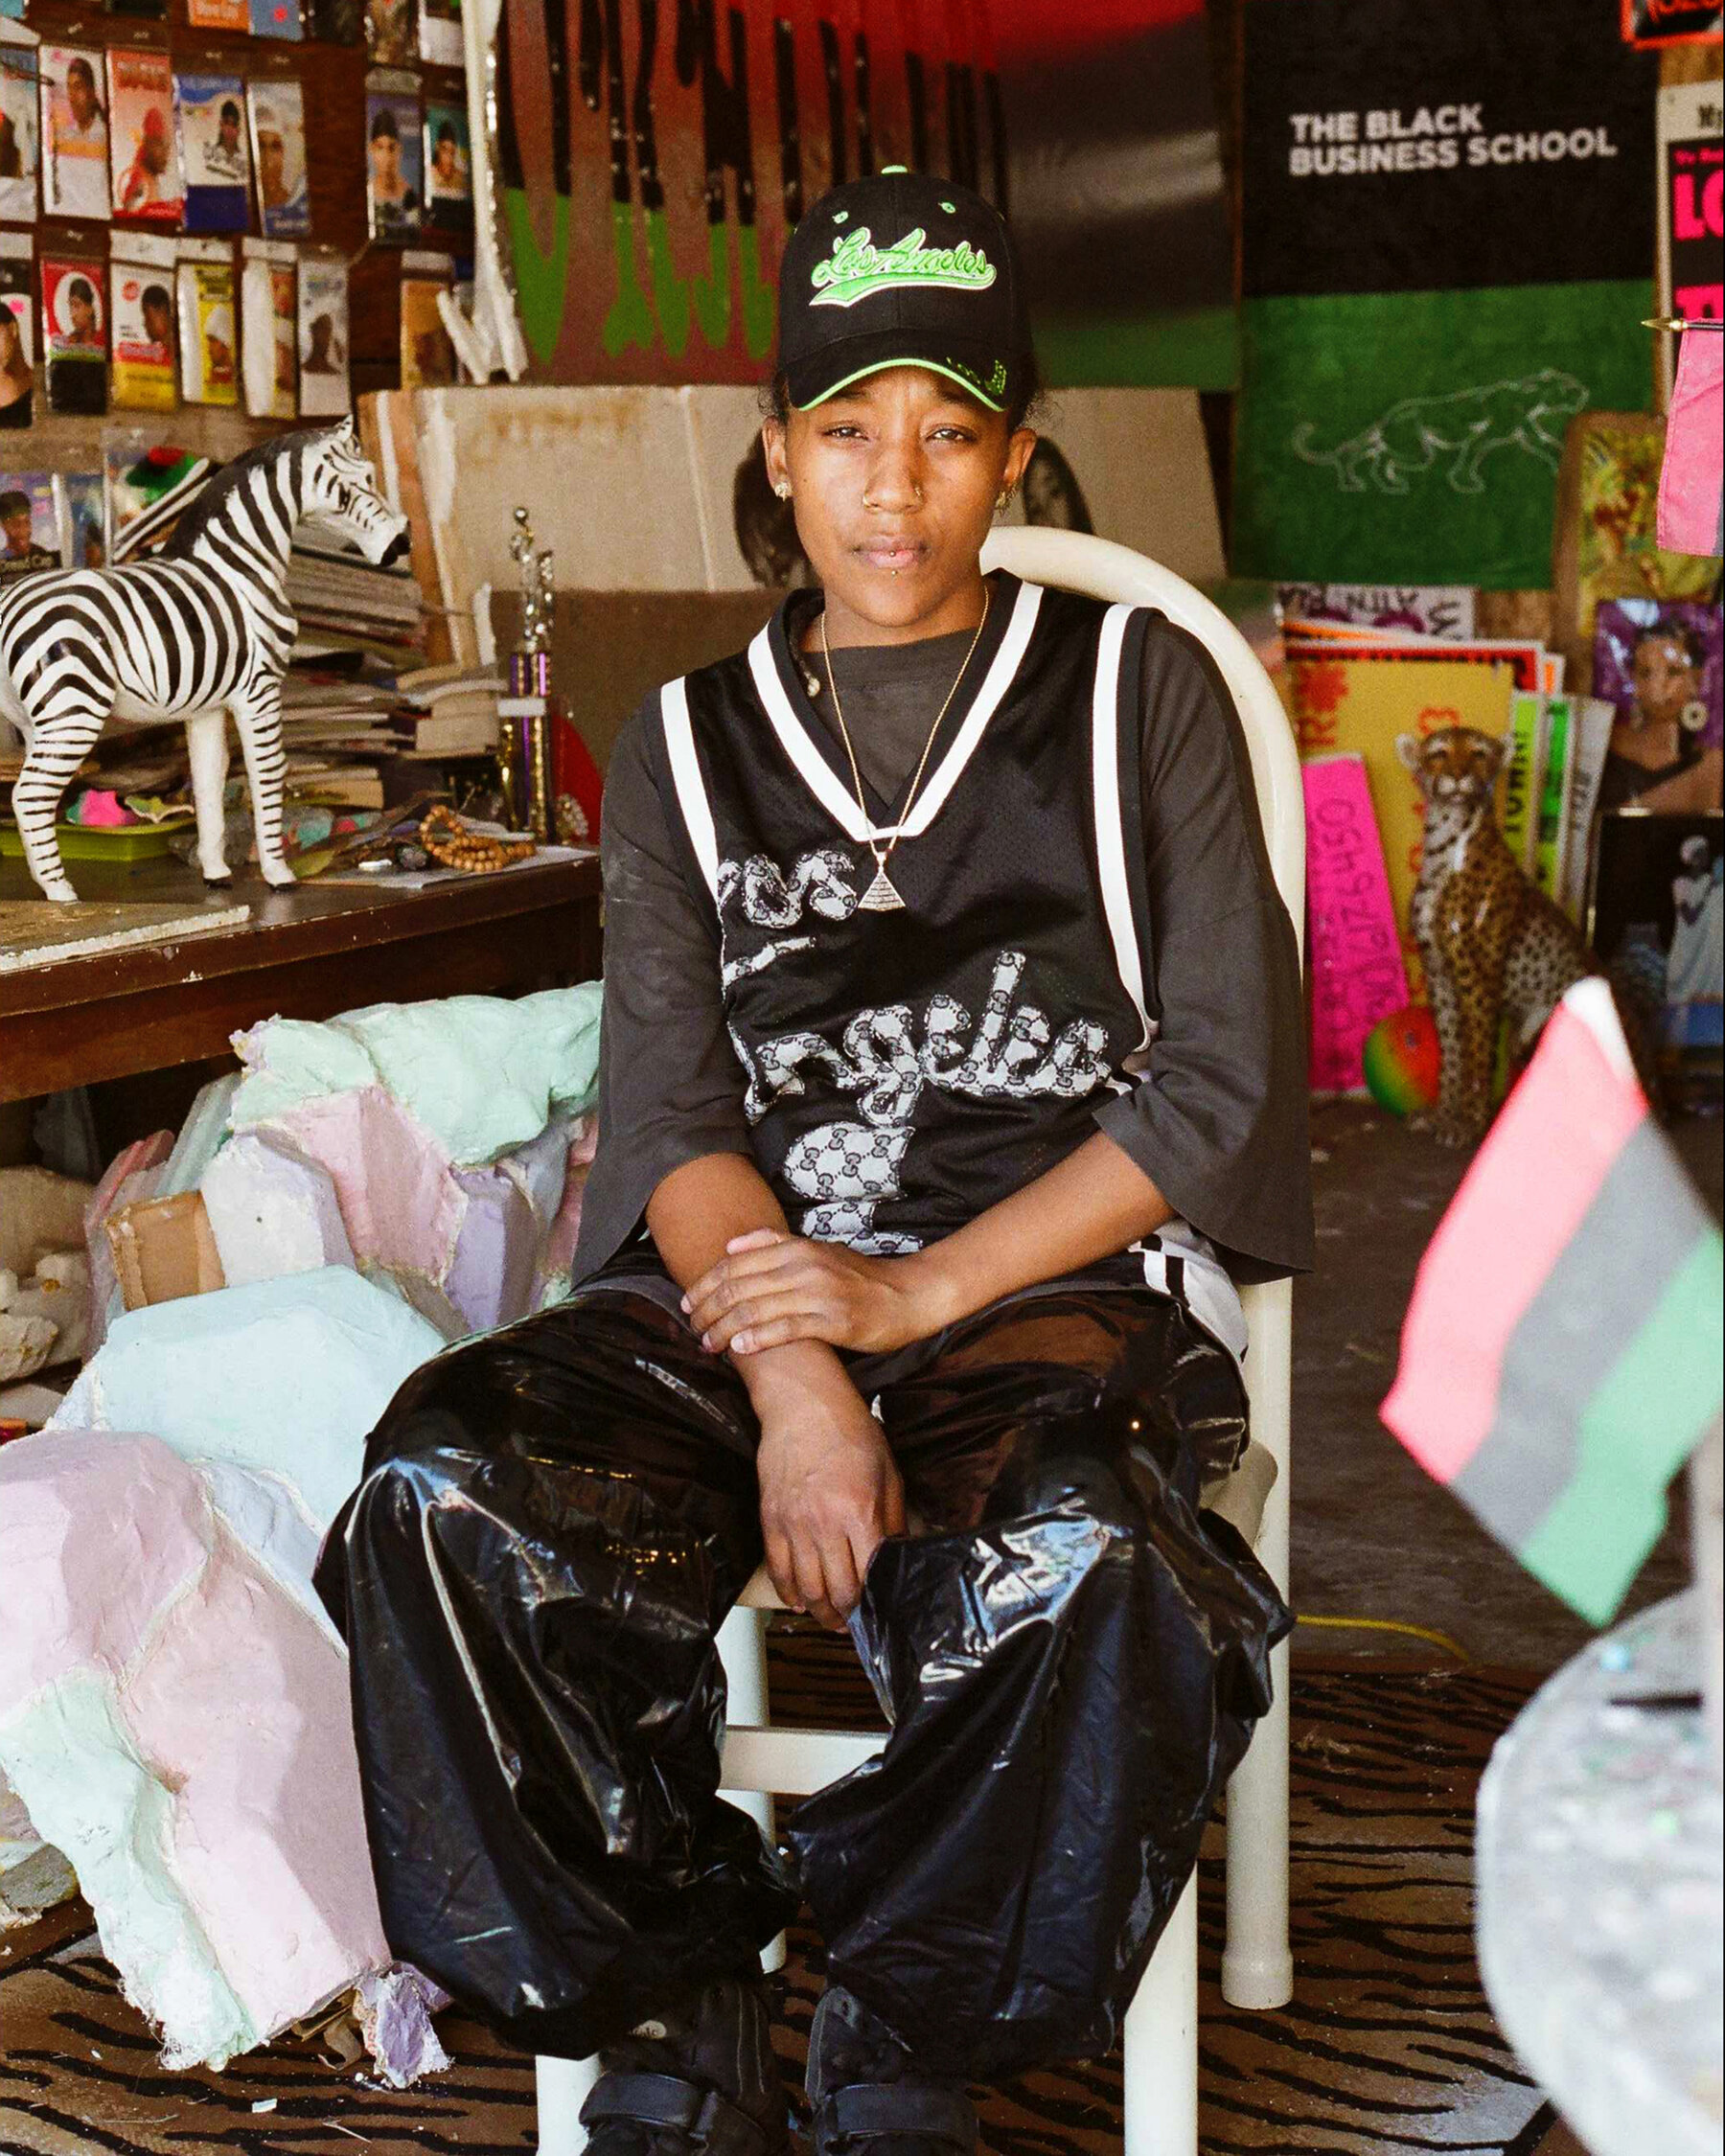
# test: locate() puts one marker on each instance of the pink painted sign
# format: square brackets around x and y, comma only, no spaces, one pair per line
[1357,972]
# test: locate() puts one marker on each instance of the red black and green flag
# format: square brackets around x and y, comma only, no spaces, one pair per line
[1562,1353]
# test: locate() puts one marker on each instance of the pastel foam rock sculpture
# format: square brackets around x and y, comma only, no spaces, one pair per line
[178,1726]
[481,1074]
[271,1212]
[285,1377]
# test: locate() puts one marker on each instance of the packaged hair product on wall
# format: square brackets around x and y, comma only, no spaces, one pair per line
[74,133]
[439,32]
[208,324]
[75,333]
[214,150]
[395,181]
[276,112]
[449,172]
[143,143]
[427,357]
[20,125]
[18,331]
[141,274]
[29,524]
[323,334]
[82,519]
[269,327]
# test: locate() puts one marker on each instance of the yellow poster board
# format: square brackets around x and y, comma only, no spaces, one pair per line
[1361,704]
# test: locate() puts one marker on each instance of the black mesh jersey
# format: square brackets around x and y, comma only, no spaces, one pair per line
[908,1069]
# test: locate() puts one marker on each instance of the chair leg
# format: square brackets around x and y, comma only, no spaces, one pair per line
[563,2087]
[1258,1965]
[742,1652]
[1159,2053]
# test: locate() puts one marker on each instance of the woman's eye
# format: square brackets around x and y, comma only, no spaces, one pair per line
[843,432]
[954,434]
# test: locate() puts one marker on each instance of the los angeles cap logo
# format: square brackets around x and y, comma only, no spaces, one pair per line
[856,269]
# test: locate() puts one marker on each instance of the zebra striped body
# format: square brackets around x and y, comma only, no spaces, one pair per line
[198,632]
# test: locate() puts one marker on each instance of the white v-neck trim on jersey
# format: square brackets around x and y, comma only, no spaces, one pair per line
[825,783]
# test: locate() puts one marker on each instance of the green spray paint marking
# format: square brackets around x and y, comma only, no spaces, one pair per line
[670,292]
[628,319]
[760,303]
[542,280]
[856,269]
[713,291]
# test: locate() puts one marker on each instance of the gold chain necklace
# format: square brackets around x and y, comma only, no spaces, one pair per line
[882,896]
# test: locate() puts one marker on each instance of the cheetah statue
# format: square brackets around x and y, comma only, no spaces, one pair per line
[1493,945]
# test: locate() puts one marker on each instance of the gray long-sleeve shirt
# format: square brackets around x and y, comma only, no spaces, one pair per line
[1218,1119]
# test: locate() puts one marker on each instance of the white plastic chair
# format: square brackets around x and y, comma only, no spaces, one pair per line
[1160,2046]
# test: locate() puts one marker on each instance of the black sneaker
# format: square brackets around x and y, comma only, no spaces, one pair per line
[696,2080]
[868,2096]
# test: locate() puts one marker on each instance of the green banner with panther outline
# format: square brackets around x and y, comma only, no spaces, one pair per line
[1415,437]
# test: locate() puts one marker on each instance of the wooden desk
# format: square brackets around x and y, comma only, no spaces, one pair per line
[308,953]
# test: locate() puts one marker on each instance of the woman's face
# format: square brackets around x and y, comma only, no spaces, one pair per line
[83,317]
[81,95]
[894,482]
[1665,677]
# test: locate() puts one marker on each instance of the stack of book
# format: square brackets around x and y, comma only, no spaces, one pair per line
[336,592]
[338,731]
[447,711]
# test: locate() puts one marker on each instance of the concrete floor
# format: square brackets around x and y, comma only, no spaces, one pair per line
[1373,1536]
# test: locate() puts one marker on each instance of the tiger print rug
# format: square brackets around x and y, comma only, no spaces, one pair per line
[1388,2043]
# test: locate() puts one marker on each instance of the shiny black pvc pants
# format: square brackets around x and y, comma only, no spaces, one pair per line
[555,1519]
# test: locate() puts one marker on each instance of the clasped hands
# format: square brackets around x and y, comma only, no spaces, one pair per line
[771,1288]
[830,1489]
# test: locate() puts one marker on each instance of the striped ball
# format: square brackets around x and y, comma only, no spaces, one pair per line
[1401,1061]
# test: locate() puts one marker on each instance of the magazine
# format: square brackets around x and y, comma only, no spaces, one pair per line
[82,520]
[1661,665]
[323,336]
[427,357]
[1524,773]
[75,333]
[209,337]
[29,532]
[74,133]
[269,326]
[448,171]
[20,125]
[1557,779]
[1441,610]
[276,109]
[141,271]
[1590,737]
[394,179]
[212,147]
[17,342]
[143,145]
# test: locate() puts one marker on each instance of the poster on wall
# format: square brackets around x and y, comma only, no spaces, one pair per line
[646,210]
[17,337]
[1410,380]
[1690,211]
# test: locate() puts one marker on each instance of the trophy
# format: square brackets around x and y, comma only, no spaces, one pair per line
[524,745]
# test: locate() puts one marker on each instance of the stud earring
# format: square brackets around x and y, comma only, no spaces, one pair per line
[783,490]
[1003,501]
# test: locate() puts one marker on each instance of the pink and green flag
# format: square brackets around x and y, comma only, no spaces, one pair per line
[1562,1353]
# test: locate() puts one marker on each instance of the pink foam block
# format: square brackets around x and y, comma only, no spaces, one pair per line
[400,1204]
[210,1792]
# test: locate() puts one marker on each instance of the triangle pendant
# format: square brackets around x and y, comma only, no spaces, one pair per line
[880,896]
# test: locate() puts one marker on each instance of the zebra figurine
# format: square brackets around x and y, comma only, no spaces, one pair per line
[196,631]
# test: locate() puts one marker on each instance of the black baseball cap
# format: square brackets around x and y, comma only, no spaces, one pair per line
[901,270]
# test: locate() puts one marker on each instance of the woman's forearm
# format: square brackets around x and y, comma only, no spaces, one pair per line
[693,1213]
[1095,1203]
